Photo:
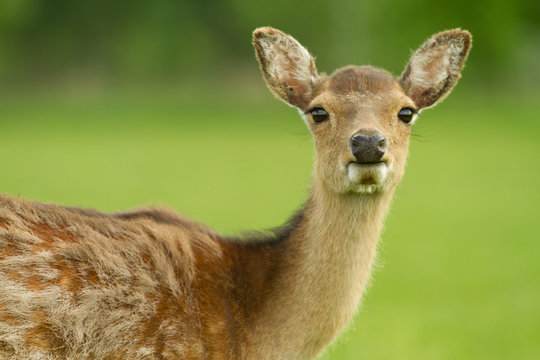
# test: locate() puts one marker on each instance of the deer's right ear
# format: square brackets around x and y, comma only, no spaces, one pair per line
[288,68]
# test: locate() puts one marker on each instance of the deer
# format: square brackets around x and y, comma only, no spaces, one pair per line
[149,283]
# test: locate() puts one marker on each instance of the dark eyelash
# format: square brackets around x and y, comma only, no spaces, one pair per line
[311,109]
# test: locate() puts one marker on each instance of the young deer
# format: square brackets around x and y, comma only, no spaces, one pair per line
[149,284]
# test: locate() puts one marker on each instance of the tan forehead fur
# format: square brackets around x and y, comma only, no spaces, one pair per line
[352,86]
[360,79]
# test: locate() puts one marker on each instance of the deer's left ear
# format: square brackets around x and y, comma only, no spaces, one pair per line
[435,67]
[288,68]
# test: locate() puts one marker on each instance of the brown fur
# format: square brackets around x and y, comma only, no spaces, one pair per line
[150,284]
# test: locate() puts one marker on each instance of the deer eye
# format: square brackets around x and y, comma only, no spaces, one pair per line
[407,114]
[318,114]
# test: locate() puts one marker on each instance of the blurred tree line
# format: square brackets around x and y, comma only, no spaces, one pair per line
[168,39]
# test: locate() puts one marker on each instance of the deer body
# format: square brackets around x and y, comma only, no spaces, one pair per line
[149,284]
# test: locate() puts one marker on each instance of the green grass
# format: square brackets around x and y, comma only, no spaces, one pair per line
[458,274]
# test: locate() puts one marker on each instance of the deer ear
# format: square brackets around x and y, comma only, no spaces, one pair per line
[435,67]
[288,68]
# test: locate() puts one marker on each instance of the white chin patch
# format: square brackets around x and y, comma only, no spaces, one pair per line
[367,178]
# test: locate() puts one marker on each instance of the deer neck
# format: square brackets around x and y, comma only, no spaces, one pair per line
[326,266]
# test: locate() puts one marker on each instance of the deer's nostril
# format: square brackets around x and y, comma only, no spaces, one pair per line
[382,145]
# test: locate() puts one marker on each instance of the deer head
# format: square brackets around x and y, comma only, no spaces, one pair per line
[360,116]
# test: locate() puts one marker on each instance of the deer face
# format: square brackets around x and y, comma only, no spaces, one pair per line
[360,117]
[361,142]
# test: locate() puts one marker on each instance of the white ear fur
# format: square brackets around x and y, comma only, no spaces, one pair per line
[435,67]
[288,68]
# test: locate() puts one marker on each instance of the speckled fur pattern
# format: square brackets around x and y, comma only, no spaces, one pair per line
[90,285]
[151,284]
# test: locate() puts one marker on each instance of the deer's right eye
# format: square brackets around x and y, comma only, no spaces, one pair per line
[318,114]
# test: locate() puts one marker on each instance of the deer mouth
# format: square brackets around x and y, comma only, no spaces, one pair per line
[367,177]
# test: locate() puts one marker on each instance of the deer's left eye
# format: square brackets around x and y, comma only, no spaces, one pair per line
[407,114]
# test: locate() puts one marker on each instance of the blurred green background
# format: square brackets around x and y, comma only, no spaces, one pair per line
[112,105]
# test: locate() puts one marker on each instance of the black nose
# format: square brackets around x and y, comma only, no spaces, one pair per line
[368,147]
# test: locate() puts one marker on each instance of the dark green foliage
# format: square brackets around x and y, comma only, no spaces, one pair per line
[164,39]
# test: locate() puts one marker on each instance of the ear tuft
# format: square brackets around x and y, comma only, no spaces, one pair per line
[435,67]
[287,67]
